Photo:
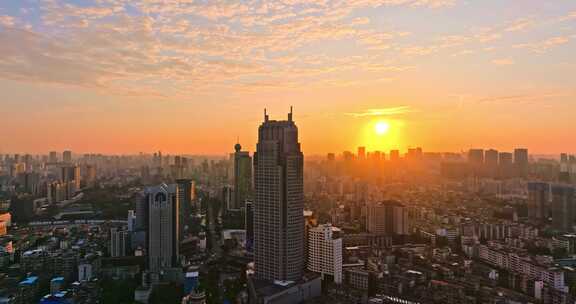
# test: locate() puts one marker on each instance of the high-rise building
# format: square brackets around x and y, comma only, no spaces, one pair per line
[394,155]
[119,242]
[476,157]
[505,164]
[361,153]
[388,217]
[325,252]
[67,156]
[131,219]
[71,173]
[53,157]
[242,176]
[185,192]
[162,231]
[279,202]
[330,157]
[538,194]
[491,158]
[521,162]
[563,200]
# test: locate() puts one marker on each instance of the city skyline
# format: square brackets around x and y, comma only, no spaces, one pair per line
[118,77]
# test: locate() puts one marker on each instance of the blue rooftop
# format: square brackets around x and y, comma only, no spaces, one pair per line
[29,281]
[58,279]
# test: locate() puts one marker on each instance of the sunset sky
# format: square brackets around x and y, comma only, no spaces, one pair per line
[120,76]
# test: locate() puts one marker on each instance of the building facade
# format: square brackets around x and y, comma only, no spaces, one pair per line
[325,252]
[279,202]
[162,231]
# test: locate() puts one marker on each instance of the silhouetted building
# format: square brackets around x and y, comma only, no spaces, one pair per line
[185,192]
[67,156]
[563,200]
[279,202]
[521,162]
[538,194]
[242,177]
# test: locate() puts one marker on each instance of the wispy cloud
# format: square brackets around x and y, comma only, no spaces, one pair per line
[545,45]
[382,111]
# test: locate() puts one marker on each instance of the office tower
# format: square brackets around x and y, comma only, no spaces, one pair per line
[119,242]
[563,158]
[361,153]
[90,175]
[414,154]
[228,197]
[242,176]
[491,158]
[71,174]
[162,227]
[249,225]
[131,219]
[325,252]
[330,157]
[505,164]
[563,200]
[279,202]
[521,162]
[538,194]
[184,188]
[67,157]
[53,157]
[388,217]
[394,155]
[476,157]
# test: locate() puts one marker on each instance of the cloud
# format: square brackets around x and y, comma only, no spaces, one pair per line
[545,45]
[519,25]
[524,98]
[503,61]
[382,111]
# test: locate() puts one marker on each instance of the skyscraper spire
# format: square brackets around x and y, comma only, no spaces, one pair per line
[265,115]
[290,114]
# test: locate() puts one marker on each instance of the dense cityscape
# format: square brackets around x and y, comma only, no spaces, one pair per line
[287,152]
[272,226]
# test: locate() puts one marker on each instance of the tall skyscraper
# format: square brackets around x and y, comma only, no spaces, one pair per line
[476,157]
[162,231]
[279,202]
[388,217]
[325,252]
[67,156]
[53,157]
[184,188]
[563,200]
[491,158]
[242,176]
[505,164]
[394,155]
[361,153]
[491,162]
[538,194]
[521,162]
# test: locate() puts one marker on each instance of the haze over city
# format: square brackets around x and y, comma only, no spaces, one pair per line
[116,76]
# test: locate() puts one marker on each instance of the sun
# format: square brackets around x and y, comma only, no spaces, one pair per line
[381,127]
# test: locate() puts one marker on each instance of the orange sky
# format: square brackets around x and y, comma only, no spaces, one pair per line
[115,76]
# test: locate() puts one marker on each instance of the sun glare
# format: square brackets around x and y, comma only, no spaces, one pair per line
[381,127]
